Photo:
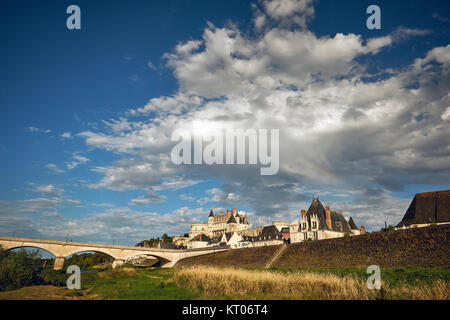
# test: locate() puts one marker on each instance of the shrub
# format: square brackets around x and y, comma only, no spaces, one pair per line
[19,269]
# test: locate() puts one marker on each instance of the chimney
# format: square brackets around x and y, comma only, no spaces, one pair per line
[328,217]
[234,211]
[363,230]
[228,212]
[303,213]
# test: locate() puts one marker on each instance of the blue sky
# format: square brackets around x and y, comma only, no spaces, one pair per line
[363,114]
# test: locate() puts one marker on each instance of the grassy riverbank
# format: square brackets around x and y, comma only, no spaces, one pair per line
[329,284]
[229,283]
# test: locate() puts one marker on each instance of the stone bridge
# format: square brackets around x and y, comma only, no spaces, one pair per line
[120,254]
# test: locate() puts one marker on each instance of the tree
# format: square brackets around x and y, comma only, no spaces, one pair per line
[166,238]
[19,269]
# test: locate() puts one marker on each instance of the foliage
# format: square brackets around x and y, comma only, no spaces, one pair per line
[19,268]
[86,260]
[153,242]
[389,228]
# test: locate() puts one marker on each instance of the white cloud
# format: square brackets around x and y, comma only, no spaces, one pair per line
[53,167]
[34,129]
[338,131]
[48,190]
[290,12]
[151,65]
[66,135]
[149,197]
[78,160]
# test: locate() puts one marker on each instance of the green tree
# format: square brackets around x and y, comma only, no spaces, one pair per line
[19,269]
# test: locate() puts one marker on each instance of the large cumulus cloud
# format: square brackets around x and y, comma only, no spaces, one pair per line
[341,128]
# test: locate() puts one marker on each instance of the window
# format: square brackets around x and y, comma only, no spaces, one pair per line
[314,225]
[304,225]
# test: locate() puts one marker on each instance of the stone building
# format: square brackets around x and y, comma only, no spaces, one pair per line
[232,221]
[269,236]
[427,208]
[320,222]
[199,241]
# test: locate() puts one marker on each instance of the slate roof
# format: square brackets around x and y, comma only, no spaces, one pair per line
[231,220]
[228,235]
[201,237]
[249,238]
[270,232]
[167,245]
[352,224]
[216,239]
[338,222]
[284,230]
[428,207]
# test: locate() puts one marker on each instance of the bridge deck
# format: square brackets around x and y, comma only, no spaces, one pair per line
[109,246]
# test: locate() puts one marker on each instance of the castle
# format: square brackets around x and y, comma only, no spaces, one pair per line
[219,224]
[316,223]
[233,229]
[320,222]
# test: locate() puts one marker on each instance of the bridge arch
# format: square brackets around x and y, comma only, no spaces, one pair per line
[161,260]
[37,246]
[84,250]
[79,252]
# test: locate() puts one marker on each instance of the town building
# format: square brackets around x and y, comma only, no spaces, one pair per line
[320,222]
[269,236]
[427,208]
[199,241]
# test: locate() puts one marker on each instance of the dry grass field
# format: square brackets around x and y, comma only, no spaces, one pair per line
[237,283]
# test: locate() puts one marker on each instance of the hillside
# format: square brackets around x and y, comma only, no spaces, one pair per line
[422,247]
[249,257]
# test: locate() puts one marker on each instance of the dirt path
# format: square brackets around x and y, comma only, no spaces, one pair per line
[46,293]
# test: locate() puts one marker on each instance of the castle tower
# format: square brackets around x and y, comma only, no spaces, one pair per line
[231,224]
[303,221]
[211,217]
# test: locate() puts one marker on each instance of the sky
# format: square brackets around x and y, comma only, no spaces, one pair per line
[87,115]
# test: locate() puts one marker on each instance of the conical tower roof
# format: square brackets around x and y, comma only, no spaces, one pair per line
[211,214]
[352,224]
[231,220]
[316,208]
[338,222]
